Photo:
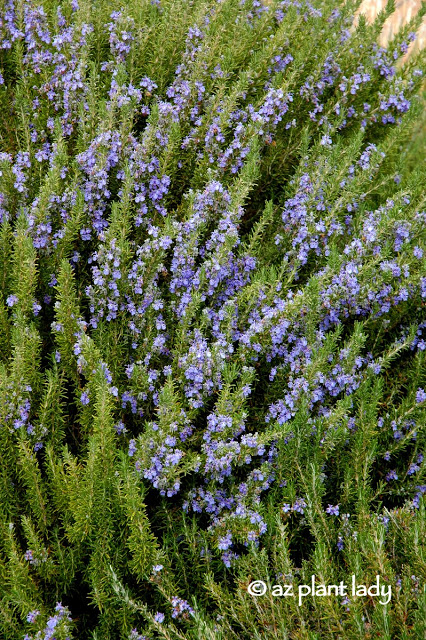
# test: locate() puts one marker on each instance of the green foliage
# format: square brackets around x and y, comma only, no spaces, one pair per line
[106,442]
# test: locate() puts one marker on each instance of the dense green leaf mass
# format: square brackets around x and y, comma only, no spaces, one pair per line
[212,320]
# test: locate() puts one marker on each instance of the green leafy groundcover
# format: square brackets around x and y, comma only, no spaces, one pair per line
[212,322]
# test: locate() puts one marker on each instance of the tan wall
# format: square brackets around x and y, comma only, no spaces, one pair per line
[404,11]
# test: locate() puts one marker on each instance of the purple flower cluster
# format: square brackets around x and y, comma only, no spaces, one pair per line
[121,36]
[180,607]
[56,625]
[35,560]
[332,510]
